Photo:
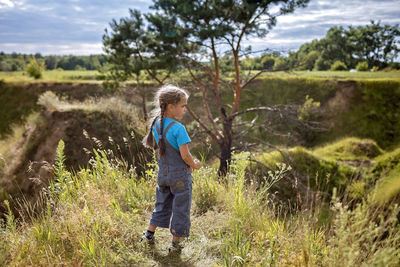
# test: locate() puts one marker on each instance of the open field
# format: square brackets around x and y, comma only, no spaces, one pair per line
[91,76]
[52,76]
[335,74]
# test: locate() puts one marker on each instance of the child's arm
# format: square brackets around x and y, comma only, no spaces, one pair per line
[188,158]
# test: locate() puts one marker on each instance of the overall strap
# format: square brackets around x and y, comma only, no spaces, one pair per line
[167,129]
[158,129]
[164,136]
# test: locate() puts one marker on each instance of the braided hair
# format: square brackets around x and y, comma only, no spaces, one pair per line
[167,94]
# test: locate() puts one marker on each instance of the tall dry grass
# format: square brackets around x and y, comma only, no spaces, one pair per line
[96,215]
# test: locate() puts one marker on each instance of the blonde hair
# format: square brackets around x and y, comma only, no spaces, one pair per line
[167,94]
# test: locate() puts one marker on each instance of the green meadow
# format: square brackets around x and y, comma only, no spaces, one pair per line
[52,76]
[95,76]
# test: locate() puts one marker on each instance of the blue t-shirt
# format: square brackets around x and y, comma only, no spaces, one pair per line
[176,135]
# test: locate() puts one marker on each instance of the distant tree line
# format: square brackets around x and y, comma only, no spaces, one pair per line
[364,47]
[19,62]
[372,46]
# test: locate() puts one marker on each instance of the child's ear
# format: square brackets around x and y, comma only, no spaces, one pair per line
[169,106]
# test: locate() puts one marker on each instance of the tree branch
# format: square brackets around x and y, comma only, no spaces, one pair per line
[206,68]
[254,109]
[284,156]
[216,81]
[168,74]
[209,132]
[194,76]
[147,69]
[208,112]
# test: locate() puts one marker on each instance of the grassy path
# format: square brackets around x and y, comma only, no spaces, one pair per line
[199,248]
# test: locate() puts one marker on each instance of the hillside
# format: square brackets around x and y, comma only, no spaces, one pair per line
[109,124]
[364,108]
[320,199]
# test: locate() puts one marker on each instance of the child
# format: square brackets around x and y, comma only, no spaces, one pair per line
[174,181]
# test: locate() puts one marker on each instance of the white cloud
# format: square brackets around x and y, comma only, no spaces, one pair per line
[77,8]
[6,3]
[11,3]
[313,22]
[54,49]
[46,26]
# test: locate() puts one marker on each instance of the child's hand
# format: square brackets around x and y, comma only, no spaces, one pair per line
[197,165]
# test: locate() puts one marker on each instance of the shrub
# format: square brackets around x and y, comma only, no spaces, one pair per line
[321,64]
[338,65]
[362,66]
[79,67]
[34,69]
[281,64]
[309,60]
[374,69]
[267,62]
[309,108]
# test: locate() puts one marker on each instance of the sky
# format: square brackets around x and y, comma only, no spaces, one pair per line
[62,27]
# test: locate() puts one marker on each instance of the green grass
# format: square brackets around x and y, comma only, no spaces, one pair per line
[95,217]
[385,176]
[309,171]
[350,149]
[89,76]
[335,75]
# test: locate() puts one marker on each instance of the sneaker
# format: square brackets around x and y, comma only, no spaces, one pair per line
[175,248]
[148,238]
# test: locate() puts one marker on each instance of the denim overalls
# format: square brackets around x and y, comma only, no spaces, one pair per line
[174,190]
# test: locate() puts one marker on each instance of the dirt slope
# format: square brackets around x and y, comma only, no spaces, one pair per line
[29,166]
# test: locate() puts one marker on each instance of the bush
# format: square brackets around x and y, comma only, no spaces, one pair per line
[321,64]
[362,66]
[268,62]
[281,64]
[308,62]
[374,69]
[34,69]
[338,65]
[308,109]
[79,67]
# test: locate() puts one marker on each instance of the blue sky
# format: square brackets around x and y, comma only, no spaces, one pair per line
[76,26]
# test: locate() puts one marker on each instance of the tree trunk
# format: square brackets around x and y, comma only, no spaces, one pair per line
[144,105]
[142,91]
[226,148]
